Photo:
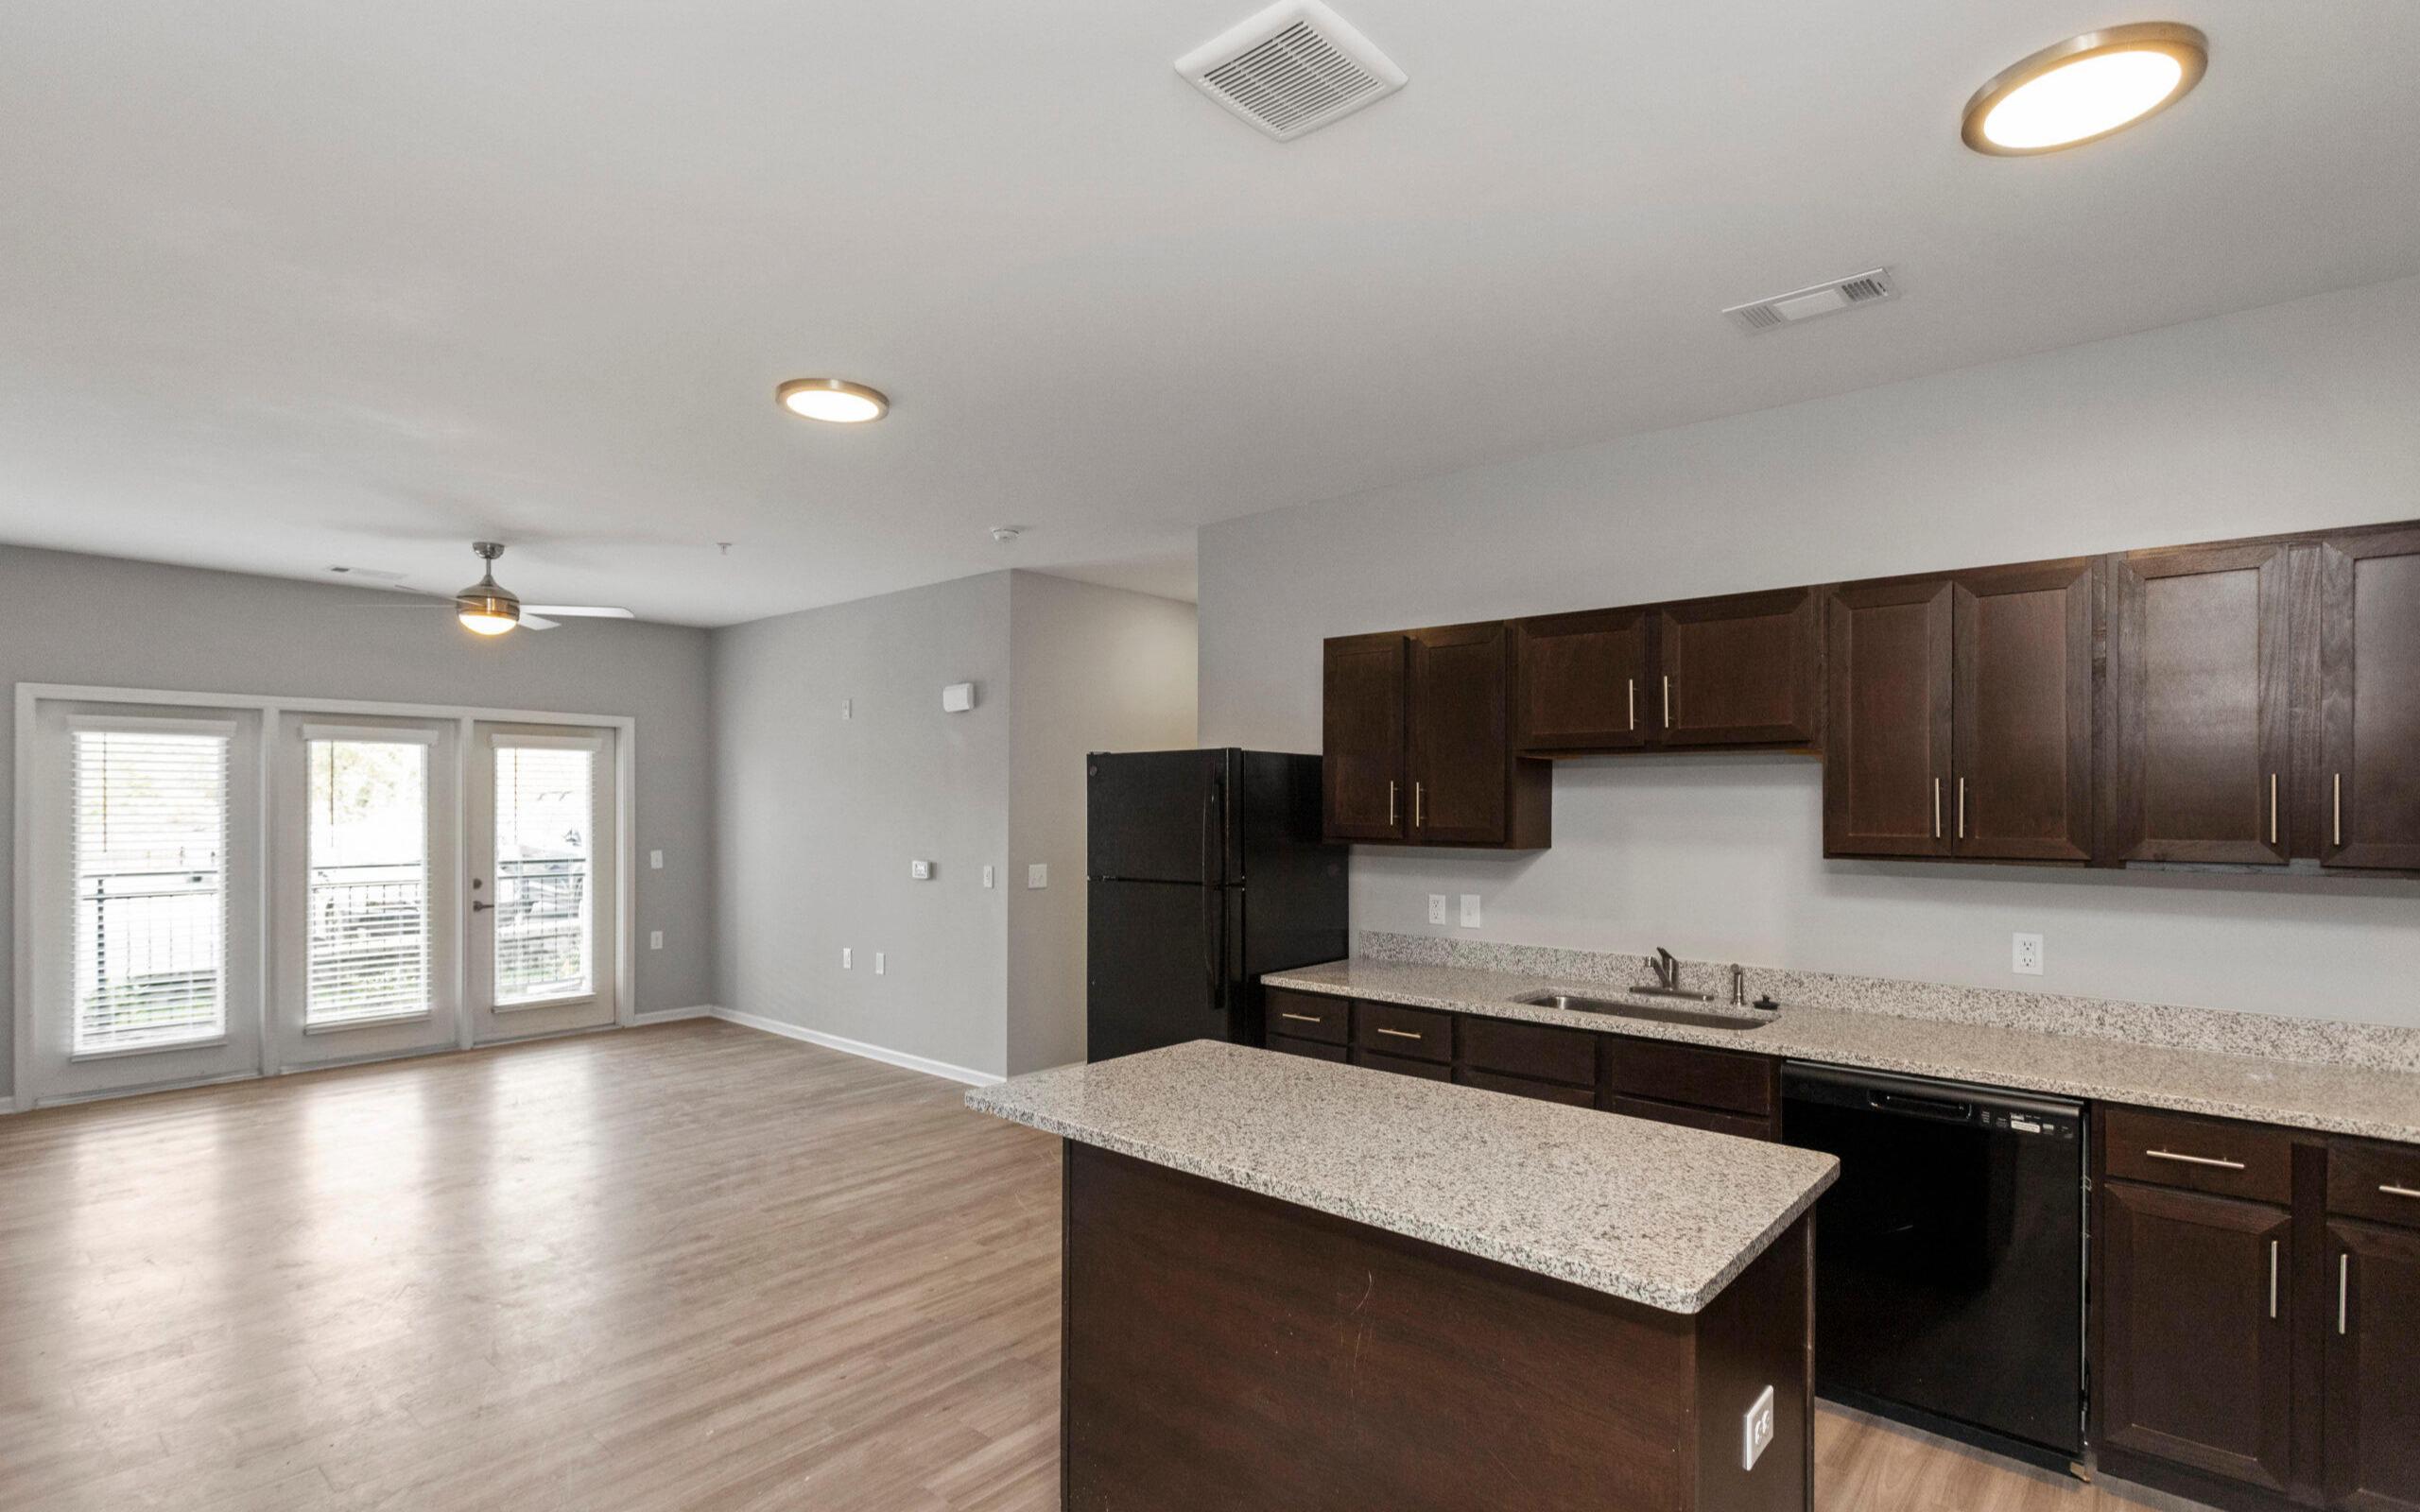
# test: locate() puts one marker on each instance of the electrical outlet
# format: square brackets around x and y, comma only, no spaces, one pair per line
[655,861]
[846,958]
[655,940]
[1757,1431]
[2025,954]
[1436,907]
[1038,875]
[880,964]
[1470,910]
[848,708]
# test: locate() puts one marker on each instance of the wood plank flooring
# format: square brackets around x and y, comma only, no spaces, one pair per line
[687,1266]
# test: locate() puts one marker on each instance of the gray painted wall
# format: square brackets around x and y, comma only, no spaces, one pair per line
[2300,415]
[1093,669]
[99,621]
[818,817]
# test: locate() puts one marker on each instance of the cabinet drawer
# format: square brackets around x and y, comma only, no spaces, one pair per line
[1424,1070]
[1537,1051]
[2250,1160]
[1545,1092]
[1304,1016]
[1683,1073]
[1312,1048]
[1713,1123]
[2376,1181]
[1391,1030]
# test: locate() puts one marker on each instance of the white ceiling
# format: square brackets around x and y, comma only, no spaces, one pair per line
[290,283]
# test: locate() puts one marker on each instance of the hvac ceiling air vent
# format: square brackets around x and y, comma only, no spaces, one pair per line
[1822,299]
[1293,69]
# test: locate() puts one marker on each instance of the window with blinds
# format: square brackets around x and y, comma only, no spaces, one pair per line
[368,894]
[149,906]
[545,856]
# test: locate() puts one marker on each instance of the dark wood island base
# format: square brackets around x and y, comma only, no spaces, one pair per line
[1226,1351]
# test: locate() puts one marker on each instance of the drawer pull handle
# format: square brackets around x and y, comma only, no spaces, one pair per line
[2195,1160]
[1403,1034]
[2400,1192]
[1303,1018]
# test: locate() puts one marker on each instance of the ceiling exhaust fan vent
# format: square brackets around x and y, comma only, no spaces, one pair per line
[1293,69]
[1869,287]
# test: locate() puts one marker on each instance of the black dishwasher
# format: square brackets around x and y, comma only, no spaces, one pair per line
[1949,1258]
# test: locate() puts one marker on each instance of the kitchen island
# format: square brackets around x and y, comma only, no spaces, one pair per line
[1295,1284]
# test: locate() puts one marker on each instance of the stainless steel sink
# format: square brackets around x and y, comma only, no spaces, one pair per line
[1651,1012]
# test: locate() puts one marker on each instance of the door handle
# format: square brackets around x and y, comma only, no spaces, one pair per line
[1962,808]
[1632,697]
[2340,809]
[1936,808]
[2273,1277]
[2272,808]
[1667,700]
[2343,1292]
[1418,792]
[1391,802]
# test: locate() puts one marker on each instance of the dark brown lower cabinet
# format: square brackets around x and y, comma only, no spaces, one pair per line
[2373,1368]
[1311,1048]
[2370,652]
[2196,1331]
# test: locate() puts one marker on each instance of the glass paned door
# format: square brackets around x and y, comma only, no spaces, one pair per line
[545,881]
[362,887]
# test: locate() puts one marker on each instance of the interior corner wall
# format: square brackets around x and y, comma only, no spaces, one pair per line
[102,622]
[819,814]
[1095,669]
[2297,416]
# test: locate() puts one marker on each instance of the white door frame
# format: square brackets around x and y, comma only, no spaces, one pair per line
[31,695]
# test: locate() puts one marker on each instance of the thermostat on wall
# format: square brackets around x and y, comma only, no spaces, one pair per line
[958,697]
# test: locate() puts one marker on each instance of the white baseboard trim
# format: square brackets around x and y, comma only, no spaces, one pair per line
[859,1047]
[695,1011]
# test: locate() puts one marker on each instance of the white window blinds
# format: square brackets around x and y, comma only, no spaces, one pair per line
[545,857]
[150,900]
[368,894]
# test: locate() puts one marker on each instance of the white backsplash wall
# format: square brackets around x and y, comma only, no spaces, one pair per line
[2287,418]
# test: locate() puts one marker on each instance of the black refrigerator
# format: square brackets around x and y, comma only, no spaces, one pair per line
[1205,869]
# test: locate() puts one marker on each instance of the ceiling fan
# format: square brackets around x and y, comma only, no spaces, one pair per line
[489,608]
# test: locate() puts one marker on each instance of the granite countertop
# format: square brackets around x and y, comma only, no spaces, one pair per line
[1650,1212]
[2337,1099]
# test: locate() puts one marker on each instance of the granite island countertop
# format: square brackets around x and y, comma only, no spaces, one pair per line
[1650,1212]
[2338,1099]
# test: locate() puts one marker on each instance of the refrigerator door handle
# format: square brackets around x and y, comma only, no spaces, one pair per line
[1214,907]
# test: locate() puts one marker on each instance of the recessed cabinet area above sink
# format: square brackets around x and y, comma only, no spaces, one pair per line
[2250,704]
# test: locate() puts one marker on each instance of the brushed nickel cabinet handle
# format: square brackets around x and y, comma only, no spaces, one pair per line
[2272,808]
[1390,804]
[1303,1018]
[2343,1292]
[2194,1159]
[1667,700]
[1936,808]
[1632,697]
[1417,820]
[1403,1034]
[2399,1192]
[2273,1277]
[1962,808]
[2339,808]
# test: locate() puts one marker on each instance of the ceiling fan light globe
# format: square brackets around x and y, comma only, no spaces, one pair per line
[487,610]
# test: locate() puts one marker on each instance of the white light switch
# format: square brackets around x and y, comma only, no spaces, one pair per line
[2025,954]
[1037,875]
[655,940]
[1436,907]
[880,965]
[656,860]
[1758,1431]
[987,878]
[920,871]
[1470,910]
[846,955]
[848,708]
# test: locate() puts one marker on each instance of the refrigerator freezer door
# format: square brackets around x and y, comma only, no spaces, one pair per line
[1160,816]
[1159,973]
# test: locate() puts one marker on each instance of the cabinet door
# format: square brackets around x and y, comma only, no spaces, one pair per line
[1461,743]
[1580,682]
[2370,654]
[2373,1354]
[2196,1302]
[1366,792]
[2199,659]
[2022,676]
[1739,671]
[1888,733]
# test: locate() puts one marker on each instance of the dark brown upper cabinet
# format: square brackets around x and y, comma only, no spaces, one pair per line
[1578,683]
[2202,736]
[1364,712]
[1745,670]
[2369,631]
[1887,754]
[1419,742]
[2021,745]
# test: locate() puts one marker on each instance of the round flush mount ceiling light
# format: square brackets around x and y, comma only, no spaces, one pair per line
[833,400]
[2085,88]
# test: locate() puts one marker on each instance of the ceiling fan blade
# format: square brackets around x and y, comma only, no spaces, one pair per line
[579,611]
[537,622]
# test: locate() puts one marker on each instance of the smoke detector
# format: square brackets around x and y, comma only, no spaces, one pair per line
[1869,287]
[1004,533]
[1291,69]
